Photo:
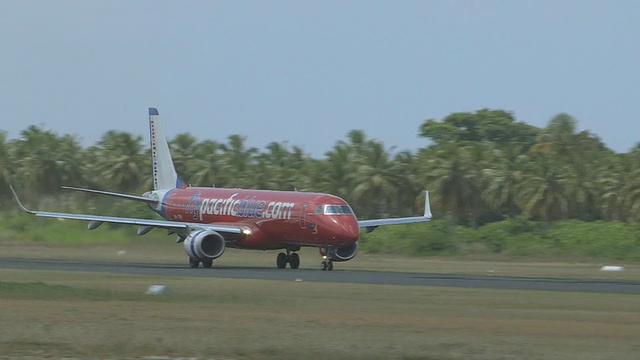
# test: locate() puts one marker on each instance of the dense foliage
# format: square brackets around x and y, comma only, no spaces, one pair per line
[497,185]
[480,167]
[571,239]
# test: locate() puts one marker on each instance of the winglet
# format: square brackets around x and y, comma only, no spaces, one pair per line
[22,208]
[427,206]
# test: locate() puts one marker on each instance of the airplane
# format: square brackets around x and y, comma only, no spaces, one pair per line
[207,220]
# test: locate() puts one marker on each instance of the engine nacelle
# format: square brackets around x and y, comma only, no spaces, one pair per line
[204,245]
[343,253]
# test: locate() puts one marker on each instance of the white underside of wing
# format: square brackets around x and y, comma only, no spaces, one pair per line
[392,221]
[165,224]
[96,220]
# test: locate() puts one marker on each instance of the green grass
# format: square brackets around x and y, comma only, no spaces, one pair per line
[87,315]
[257,319]
[54,314]
[95,292]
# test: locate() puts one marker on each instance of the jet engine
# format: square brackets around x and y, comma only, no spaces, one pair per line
[343,253]
[204,245]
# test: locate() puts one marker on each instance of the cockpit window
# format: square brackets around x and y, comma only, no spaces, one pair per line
[332,209]
[337,210]
[346,209]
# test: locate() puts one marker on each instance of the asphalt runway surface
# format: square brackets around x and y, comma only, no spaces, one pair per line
[336,276]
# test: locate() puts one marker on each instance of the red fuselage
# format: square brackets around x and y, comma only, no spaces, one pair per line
[277,219]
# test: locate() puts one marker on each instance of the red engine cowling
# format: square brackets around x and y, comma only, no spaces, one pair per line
[343,253]
[204,245]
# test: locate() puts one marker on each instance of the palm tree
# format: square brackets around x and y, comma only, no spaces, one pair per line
[333,172]
[183,148]
[302,167]
[503,175]
[38,162]
[583,192]
[559,139]
[277,174]
[121,162]
[454,172]
[7,166]
[239,161]
[282,169]
[354,170]
[72,161]
[376,184]
[404,167]
[621,187]
[207,165]
[542,194]
[610,182]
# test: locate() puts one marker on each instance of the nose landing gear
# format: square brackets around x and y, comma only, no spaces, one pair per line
[326,265]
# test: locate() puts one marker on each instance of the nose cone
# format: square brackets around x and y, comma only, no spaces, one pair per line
[347,228]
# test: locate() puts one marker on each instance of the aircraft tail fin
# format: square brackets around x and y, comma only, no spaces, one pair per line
[164,173]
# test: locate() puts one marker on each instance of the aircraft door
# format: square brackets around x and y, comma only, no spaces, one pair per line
[302,218]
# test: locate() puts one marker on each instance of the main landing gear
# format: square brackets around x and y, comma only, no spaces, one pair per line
[193,263]
[293,259]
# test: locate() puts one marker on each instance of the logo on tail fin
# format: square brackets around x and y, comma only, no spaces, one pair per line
[180,184]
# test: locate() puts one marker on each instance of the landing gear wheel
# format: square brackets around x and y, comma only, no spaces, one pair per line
[294,260]
[324,266]
[281,261]
[207,264]
[329,265]
[193,263]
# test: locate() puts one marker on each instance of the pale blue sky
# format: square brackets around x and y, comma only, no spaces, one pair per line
[307,72]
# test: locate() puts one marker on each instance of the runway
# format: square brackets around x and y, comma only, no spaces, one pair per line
[336,276]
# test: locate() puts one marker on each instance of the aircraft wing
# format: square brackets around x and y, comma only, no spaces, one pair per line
[371,225]
[109,193]
[145,224]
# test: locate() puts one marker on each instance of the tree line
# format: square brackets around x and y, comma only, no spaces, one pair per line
[480,167]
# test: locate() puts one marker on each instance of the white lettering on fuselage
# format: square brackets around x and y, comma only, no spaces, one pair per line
[245,208]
